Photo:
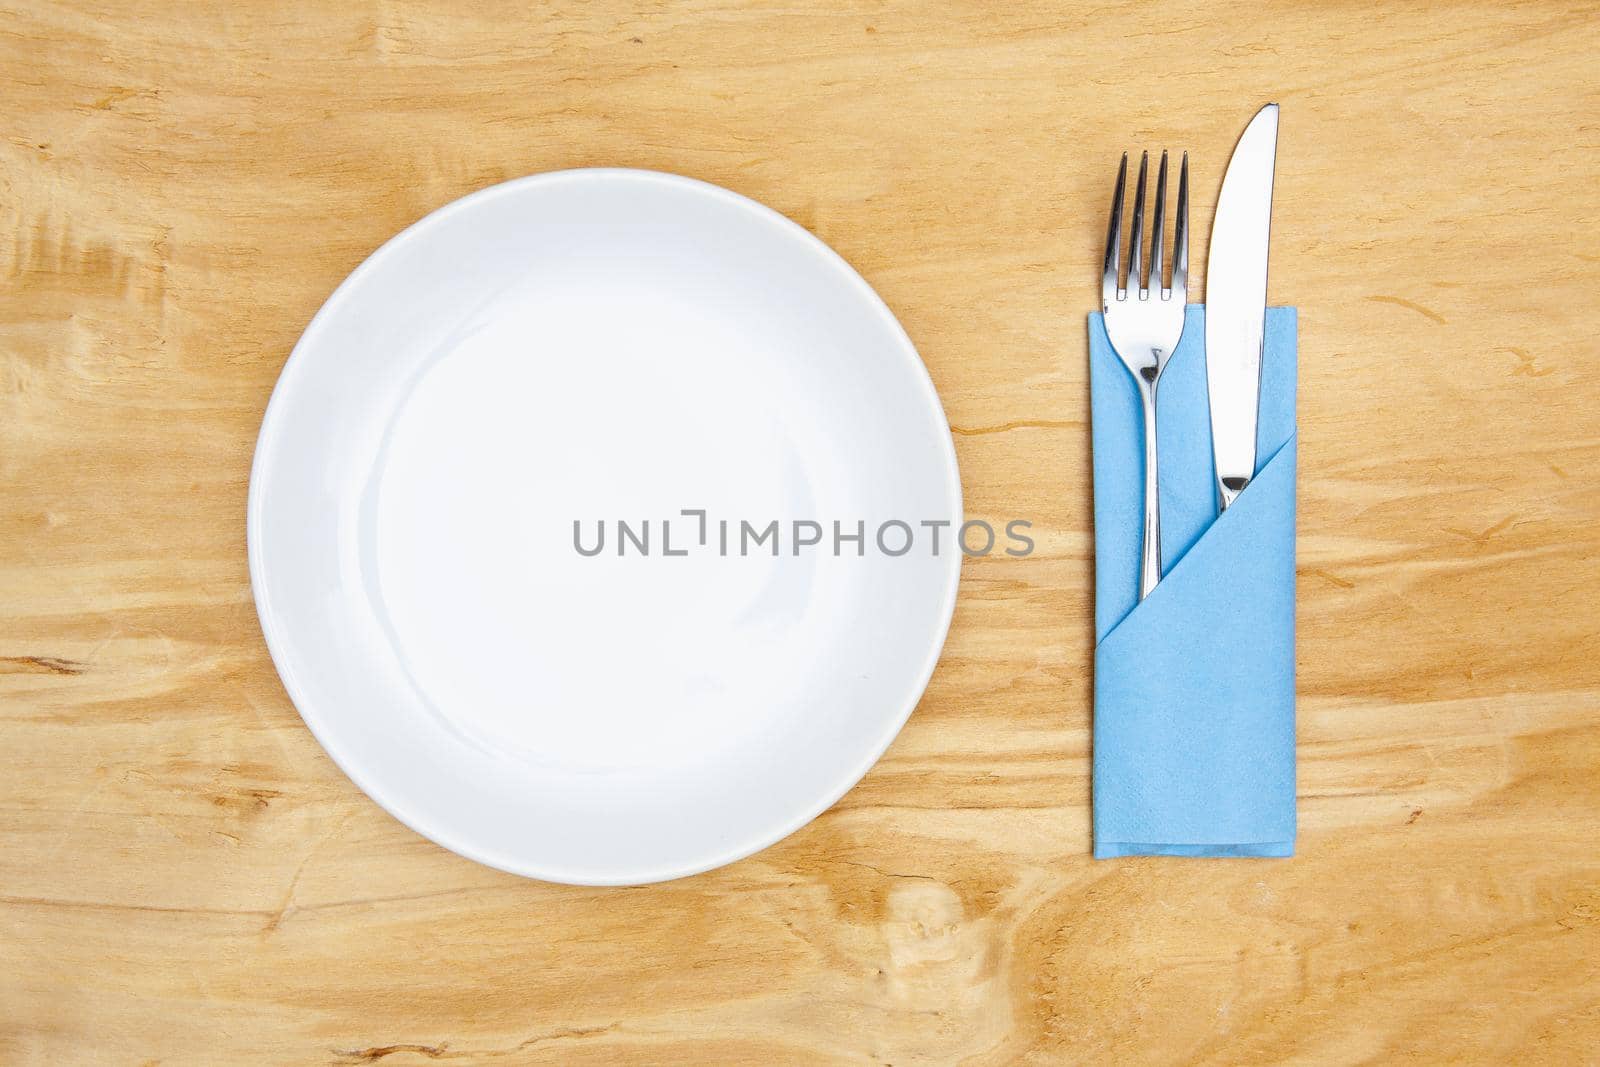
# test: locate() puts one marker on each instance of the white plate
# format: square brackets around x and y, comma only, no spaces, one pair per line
[578,346]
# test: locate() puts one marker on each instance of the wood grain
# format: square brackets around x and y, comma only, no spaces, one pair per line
[186,878]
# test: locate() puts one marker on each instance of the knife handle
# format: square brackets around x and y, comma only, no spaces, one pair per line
[1228,490]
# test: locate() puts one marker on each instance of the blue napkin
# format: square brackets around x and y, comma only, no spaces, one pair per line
[1194,686]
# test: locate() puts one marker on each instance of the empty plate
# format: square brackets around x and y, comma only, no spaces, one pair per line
[591,526]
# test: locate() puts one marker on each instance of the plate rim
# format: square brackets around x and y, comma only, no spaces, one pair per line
[276,641]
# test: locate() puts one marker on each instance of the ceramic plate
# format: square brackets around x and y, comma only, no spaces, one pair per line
[532,516]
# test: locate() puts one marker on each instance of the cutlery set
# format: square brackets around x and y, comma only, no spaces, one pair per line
[1144,314]
[1194,687]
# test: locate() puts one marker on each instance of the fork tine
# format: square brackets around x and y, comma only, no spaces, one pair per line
[1180,250]
[1156,227]
[1136,235]
[1113,267]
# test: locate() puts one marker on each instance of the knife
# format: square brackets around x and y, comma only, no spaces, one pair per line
[1236,302]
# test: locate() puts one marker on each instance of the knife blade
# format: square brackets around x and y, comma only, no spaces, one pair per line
[1236,302]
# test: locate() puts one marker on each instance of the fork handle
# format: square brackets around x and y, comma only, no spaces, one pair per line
[1150,564]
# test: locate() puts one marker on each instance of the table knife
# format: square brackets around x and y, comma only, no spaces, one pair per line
[1236,302]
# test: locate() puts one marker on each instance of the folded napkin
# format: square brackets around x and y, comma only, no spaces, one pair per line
[1194,686]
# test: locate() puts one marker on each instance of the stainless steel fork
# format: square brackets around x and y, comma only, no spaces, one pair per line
[1144,321]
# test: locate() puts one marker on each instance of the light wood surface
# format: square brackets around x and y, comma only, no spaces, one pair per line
[185,878]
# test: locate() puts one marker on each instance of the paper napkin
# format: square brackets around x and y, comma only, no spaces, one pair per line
[1194,743]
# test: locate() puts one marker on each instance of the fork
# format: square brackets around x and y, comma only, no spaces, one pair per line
[1144,321]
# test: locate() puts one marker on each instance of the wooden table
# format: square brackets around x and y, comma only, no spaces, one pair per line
[186,878]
